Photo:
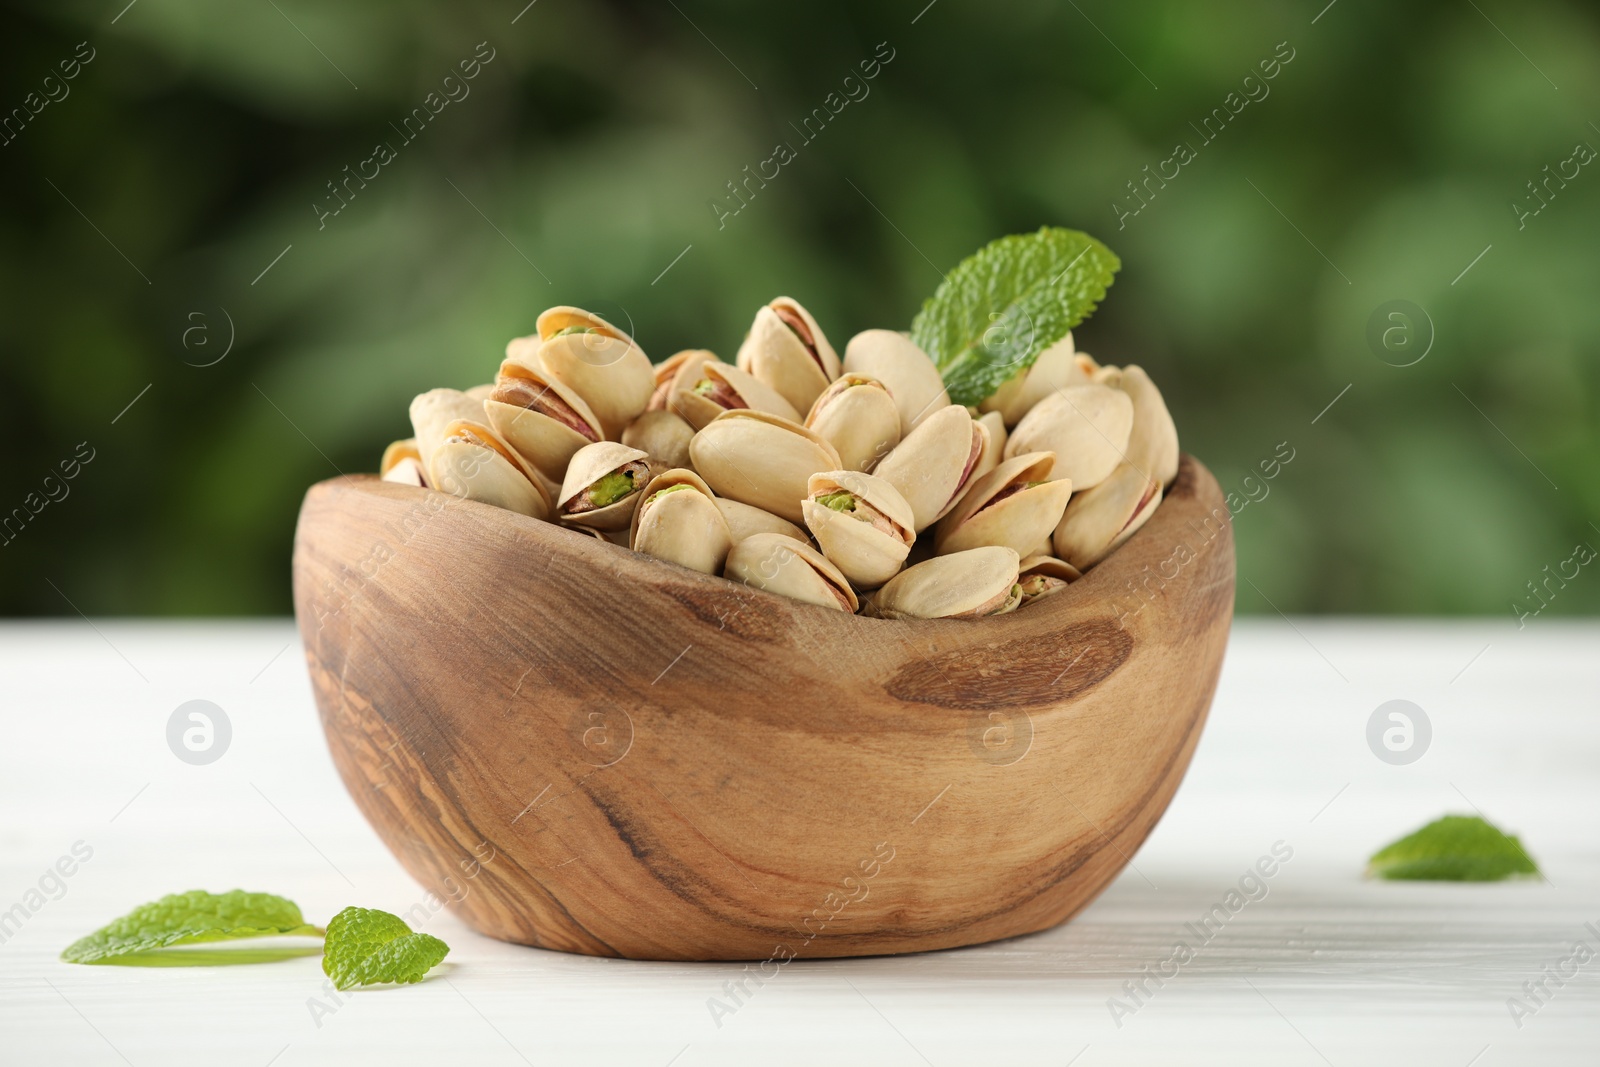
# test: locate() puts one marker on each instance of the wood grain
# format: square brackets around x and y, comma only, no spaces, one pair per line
[601,753]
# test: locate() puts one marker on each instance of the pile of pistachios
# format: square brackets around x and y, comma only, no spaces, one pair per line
[852,484]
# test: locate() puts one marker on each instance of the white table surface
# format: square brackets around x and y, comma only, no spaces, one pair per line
[1326,968]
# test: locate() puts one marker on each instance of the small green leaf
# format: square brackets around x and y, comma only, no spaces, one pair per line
[1004,304]
[367,947]
[187,919]
[1456,848]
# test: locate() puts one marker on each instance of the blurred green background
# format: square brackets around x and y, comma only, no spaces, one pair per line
[145,202]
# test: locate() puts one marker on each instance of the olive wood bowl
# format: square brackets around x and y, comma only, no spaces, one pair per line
[584,749]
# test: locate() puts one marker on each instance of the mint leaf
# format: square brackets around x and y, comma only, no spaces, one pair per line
[188,919]
[366,947]
[1006,303]
[1456,848]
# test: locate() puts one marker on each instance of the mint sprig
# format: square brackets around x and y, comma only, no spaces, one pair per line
[1004,304]
[368,947]
[1456,848]
[188,919]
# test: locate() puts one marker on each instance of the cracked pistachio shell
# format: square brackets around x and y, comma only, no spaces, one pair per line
[537,414]
[903,368]
[682,526]
[1022,516]
[1107,375]
[398,454]
[760,460]
[963,585]
[1086,426]
[858,417]
[1153,442]
[662,434]
[591,463]
[1055,368]
[934,462]
[782,565]
[868,547]
[1042,575]
[667,371]
[994,447]
[744,520]
[602,364]
[473,463]
[432,412]
[1099,519]
[755,395]
[787,350]
[524,349]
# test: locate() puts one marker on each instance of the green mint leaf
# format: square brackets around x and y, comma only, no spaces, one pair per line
[1456,848]
[189,919]
[1006,303]
[366,947]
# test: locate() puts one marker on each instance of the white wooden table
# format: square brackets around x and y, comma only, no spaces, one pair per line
[1324,968]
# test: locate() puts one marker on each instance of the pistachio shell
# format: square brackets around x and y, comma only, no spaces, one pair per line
[963,585]
[744,520]
[591,463]
[1086,426]
[1005,508]
[994,447]
[868,543]
[1153,442]
[744,392]
[934,462]
[407,470]
[524,349]
[681,526]
[545,438]
[1055,368]
[662,434]
[1099,519]
[790,568]
[602,364]
[473,463]
[1043,575]
[903,368]
[405,448]
[1106,375]
[787,350]
[761,460]
[858,417]
[433,411]
[667,370]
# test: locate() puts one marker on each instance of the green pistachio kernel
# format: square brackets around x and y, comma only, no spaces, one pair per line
[611,488]
[669,489]
[574,329]
[838,500]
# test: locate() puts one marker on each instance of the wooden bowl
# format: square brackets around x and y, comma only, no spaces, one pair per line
[584,749]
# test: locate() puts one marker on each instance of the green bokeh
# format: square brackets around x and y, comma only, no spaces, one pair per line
[1386,156]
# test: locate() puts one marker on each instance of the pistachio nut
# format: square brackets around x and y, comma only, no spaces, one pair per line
[761,460]
[598,362]
[723,387]
[862,524]
[432,412]
[540,416]
[1153,443]
[933,464]
[667,371]
[963,585]
[602,485]
[994,447]
[524,349]
[1044,574]
[1086,426]
[782,565]
[1107,374]
[786,349]
[1099,519]
[1015,505]
[744,520]
[402,463]
[473,463]
[480,393]
[903,368]
[677,520]
[662,434]
[858,417]
[1055,368]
